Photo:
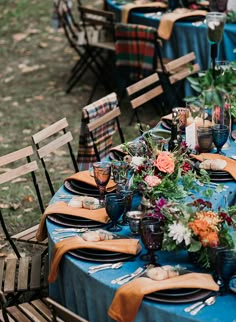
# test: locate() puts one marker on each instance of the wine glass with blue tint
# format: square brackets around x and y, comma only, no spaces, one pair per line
[220,136]
[151,232]
[120,174]
[128,194]
[115,205]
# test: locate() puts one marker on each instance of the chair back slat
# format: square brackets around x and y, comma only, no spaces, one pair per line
[10,273]
[22,281]
[17,172]
[179,62]
[183,73]
[54,145]
[97,17]
[63,312]
[104,119]
[50,130]
[146,97]
[35,272]
[143,83]
[17,155]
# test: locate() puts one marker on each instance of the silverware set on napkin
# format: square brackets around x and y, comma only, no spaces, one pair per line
[198,306]
[62,233]
[94,269]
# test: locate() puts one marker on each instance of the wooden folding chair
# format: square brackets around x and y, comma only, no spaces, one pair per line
[20,274]
[100,38]
[75,34]
[99,123]
[58,130]
[43,310]
[23,155]
[172,75]
[142,92]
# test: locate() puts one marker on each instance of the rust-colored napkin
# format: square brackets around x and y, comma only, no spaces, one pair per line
[61,207]
[129,6]
[230,166]
[85,177]
[128,298]
[167,20]
[127,246]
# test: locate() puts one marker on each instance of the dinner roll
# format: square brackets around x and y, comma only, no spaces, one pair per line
[76,201]
[162,273]
[91,203]
[216,164]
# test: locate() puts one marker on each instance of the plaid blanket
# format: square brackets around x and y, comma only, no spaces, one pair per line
[135,50]
[102,135]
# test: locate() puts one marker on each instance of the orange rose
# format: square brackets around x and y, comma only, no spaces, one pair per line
[165,162]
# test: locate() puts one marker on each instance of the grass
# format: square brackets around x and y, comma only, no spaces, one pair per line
[35,61]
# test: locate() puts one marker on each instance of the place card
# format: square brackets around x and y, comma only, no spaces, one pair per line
[190,133]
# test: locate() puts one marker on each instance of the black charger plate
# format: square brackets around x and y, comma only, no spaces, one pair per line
[98,255]
[216,176]
[200,294]
[66,221]
[68,186]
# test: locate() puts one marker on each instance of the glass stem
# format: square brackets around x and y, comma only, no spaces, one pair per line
[101,195]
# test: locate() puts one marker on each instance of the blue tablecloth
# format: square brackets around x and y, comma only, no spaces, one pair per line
[186,37]
[91,295]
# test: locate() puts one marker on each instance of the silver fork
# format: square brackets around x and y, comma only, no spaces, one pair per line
[68,230]
[127,276]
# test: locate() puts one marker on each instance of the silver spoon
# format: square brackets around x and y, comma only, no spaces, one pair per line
[113,266]
[210,301]
[132,275]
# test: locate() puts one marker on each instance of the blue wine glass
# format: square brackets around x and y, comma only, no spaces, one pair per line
[128,194]
[115,205]
[220,136]
[151,232]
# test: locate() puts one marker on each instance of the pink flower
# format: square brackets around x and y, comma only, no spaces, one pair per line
[165,162]
[217,113]
[152,181]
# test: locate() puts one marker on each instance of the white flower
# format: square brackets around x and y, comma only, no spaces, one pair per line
[179,233]
[136,162]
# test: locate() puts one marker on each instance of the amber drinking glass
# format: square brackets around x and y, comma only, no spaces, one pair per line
[102,174]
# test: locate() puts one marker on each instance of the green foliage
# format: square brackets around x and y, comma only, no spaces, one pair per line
[231,17]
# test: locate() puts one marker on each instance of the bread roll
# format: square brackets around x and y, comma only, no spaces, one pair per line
[162,273]
[76,201]
[216,164]
[91,236]
[91,203]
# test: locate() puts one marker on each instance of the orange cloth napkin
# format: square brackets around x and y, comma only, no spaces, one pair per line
[85,177]
[127,246]
[61,207]
[167,20]
[128,298]
[230,166]
[129,6]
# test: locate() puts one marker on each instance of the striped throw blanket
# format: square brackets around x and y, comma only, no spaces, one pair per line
[102,135]
[135,50]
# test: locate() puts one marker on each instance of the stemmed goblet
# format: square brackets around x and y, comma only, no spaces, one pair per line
[102,174]
[151,232]
[120,174]
[220,136]
[115,205]
[128,194]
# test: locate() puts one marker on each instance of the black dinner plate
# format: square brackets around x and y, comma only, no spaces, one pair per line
[179,292]
[68,186]
[158,297]
[73,223]
[83,186]
[216,175]
[101,258]
[75,219]
[192,19]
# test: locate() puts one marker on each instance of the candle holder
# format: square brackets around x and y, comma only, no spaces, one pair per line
[215,30]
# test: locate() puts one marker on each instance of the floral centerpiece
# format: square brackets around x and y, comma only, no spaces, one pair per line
[158,173]
[195,227]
